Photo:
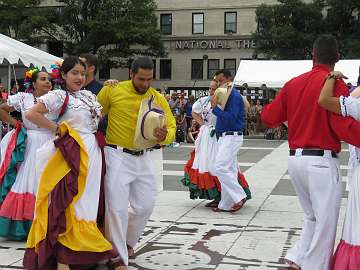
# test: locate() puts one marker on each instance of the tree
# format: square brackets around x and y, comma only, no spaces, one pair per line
[343,20]
[113,29]
[24,20]
[287,30]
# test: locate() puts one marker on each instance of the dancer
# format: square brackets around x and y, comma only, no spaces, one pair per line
[346,255]
[229,107]
[18,183]
[139,118]
[64,231]
[199,170]
[314,141]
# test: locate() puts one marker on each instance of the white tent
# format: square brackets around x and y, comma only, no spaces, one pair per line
[276,73]
[16,52]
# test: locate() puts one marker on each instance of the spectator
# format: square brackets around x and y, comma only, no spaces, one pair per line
[180,128]
[193,132]
[91,63]
[174,103]
[188,110]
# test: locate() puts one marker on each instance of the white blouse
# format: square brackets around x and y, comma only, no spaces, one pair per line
[22,102]
[83,110]
[203,107]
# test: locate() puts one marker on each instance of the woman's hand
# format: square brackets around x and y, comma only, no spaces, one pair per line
[111,82]
[338,75]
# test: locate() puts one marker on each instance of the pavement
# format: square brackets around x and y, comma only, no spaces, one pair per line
[183,234]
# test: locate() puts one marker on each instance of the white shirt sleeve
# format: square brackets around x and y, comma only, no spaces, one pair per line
[350,106]
[15,101]
[196,108]
[53,100]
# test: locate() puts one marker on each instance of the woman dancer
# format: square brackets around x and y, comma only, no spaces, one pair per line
[18,186]
[64,231]
[199,176]
[347,255]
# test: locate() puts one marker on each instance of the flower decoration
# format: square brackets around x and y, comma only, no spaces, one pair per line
[28,79]
[56,74]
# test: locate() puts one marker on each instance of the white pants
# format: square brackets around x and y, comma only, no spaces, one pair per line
[317,182]
[226,169]
[130,192]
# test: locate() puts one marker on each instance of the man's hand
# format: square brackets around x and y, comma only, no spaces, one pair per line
[338,75]
[214,101]
[160,133]
[111,82]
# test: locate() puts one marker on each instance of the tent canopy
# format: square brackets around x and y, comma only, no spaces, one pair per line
[17,52]
[276,73]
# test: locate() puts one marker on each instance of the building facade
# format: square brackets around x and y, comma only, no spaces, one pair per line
[201,37]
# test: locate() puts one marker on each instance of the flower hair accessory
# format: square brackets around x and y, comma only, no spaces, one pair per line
[55,73]
[28,78]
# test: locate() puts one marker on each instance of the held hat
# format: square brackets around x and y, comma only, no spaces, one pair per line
[223,93]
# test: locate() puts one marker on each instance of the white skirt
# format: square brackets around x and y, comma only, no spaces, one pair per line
[86,208]
[205,151]
[26,179]
[351,230]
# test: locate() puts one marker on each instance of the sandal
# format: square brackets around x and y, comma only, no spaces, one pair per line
[213,203]
[131,251]
[114,264]
[217,209]
[237,206]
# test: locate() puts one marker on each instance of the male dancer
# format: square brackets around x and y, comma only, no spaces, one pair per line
[130,176]
[314,141]
[229,129]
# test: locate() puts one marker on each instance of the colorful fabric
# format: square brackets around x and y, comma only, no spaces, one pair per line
[80,235]
[205,185]
[346,257]
[16,210]
[122,106]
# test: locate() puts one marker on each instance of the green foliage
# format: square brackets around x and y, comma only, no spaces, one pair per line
[288,29]
[114,29]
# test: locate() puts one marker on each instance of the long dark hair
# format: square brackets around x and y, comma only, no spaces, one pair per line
[68,64]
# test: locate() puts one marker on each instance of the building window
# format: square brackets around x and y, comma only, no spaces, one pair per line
[198,23]
[166,24]
[165,69]
[56,48]
[230,64]
[197,69]
[213,66]
[230,25]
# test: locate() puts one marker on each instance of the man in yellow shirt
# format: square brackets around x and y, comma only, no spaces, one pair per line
[130,175]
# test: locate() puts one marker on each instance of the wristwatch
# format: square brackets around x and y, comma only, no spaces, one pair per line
[331,76]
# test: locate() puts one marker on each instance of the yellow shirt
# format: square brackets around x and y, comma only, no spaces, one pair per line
[122,103]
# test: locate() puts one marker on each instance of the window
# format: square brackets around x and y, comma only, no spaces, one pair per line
[166,24]
[213,66]
[230,25]
[165,69]
[230,64]
[198,23]
[197,66]
[56,48]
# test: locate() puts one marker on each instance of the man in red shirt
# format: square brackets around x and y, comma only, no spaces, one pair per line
[314,140]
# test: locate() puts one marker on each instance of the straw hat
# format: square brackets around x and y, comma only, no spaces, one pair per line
[223,93]
[150,117]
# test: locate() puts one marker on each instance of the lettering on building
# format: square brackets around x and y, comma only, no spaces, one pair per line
[215,44]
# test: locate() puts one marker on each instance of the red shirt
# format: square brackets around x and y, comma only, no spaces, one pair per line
[309,125]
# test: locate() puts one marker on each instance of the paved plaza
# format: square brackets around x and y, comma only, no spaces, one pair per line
[184,234]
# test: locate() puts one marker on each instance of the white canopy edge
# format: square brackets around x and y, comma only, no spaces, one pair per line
[275,74]
[17,52]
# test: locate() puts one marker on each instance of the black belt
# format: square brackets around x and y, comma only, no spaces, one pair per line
[239,133]
[128,151]
[313,152]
